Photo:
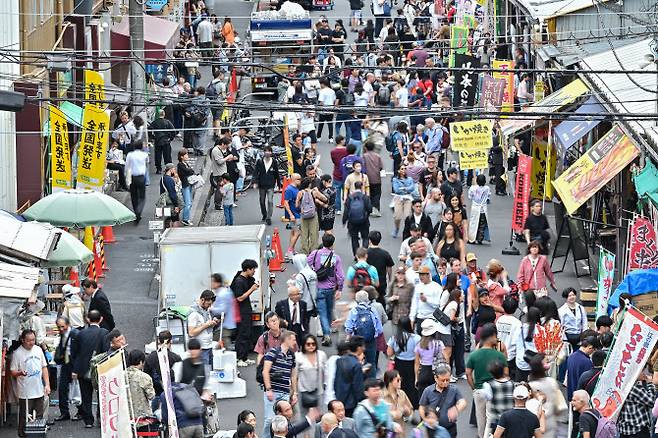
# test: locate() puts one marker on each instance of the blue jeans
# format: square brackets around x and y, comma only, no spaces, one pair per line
[268,411]
[325,302]
[228,214]
[206,354]
[187,203]
[341,120]
[338,186]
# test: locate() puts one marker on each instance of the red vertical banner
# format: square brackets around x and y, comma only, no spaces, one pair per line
[521,193]
[642,247]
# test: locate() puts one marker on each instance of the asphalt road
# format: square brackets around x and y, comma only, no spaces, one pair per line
[133,291]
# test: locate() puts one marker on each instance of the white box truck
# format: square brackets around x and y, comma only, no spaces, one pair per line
[188,256]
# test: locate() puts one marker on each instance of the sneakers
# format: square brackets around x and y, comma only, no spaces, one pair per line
[375,213]
[463,377]
[326,341]
[250,361]
[453,379]
[394,234]
[331,140]
[268,221]
[290,253]
[242,363]
[187,223]
[338,213]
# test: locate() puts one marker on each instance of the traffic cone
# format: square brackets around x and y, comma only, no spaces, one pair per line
[91,271]
[101,243]
[74,276]
[277,262]
[286,182]
[98,267]
[108,235]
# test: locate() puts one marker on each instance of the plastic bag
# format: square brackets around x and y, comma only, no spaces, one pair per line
[74,393]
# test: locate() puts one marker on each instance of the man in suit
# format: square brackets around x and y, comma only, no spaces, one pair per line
[89,342]
[98,301]
[329,428]
[293,313]
[63,357]
[294,429]
[346,424]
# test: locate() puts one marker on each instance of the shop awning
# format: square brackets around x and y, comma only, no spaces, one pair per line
[17,281]
[160,37]
[552,103]
[72,112]
[602,162]
[577,126]
[155,5]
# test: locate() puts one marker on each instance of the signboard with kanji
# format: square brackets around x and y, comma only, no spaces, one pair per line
[60,159]
[93,148]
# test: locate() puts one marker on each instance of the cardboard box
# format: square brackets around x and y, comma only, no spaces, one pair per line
[647,303]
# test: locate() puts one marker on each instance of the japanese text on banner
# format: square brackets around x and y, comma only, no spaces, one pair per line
[113,398]
[94,89]
[539,161]
[472,135]
[508,95]
[521,193]
[605,278]
[473,159]
[633,345]
[92,149]
[493,91]
[60,160]
[643,245]
[458,42]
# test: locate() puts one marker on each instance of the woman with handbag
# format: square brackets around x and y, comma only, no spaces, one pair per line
[310,364]
[427,350]
[455,310]
[526,343]
[535,270]
[573,317]
[400,405]
[497,283]
[401,351]
[554,404]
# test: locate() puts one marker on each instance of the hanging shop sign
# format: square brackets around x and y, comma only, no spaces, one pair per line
[521,193]
[493,91]
[508,94]
[570,131]
[540,161]
[466,79]
[93,147]
[595,168]
[95,89]
[642,245]
[471,135]
[60,159]
[605,278]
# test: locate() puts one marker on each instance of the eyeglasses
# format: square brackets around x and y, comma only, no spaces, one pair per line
[311,343]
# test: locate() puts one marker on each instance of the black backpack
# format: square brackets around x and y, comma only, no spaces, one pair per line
[259,366]
[326,269]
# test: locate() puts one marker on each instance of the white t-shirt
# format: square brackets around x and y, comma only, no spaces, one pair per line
[412,276]
[205,337]
[508,327]
[361,100]
[377,9]
[327,96]
[402,96]
[307,122]
[32,361]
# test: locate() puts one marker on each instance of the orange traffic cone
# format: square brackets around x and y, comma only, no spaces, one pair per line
[101,243]
[74,276]
[97,260]
[108,235]
[91,271]
[277,262]
[286,182]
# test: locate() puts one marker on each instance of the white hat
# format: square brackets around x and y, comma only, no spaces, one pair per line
[521,392]
[429,327]
[69,290]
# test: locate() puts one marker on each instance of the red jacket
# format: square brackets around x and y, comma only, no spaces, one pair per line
[541,272]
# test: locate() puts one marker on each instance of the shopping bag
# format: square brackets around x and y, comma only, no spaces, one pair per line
[74,393]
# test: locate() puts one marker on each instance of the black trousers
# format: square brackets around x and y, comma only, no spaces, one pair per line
[326,119]
[355,231]
[63,388]
[121,168]
[644,433]
[138,194]
[397,162]
[457,358]
[162,151]
[215,192]
[376,195]
[86,394]
[501,187]
[243,340]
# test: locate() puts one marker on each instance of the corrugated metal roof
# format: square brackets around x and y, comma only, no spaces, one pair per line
[238,233]
[544,9]
[619,91]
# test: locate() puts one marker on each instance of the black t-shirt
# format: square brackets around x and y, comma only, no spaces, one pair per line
[486,314]
[296,156]
[449,188]
[324,35]
[536,224]
[519,423]
[588,423]
[239,286]
[380,259]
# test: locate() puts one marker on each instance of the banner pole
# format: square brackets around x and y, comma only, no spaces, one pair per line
[549,150]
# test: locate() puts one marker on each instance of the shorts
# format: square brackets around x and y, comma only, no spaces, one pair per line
[295,226]
[312,136]
[357,14]
[446,339]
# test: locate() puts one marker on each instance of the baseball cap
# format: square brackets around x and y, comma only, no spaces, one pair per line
[470,257]
[401,268]
[521,392]
[424,270]
[69,290]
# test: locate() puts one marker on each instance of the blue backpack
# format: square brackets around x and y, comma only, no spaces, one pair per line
[365,327]
[358,214]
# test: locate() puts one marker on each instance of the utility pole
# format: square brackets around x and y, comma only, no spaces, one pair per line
[137,69]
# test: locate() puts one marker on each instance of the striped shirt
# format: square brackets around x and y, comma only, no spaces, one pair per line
[281,370]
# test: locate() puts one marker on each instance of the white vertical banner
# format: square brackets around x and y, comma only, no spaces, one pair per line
[606,277]
[633,346]
[113,398]
[172,424]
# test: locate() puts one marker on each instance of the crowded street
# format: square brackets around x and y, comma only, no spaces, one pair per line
[329,219]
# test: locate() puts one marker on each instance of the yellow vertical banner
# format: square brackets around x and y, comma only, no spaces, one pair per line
[93,148]
[508,95]
[60,154]
[94,89]
[540,160]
